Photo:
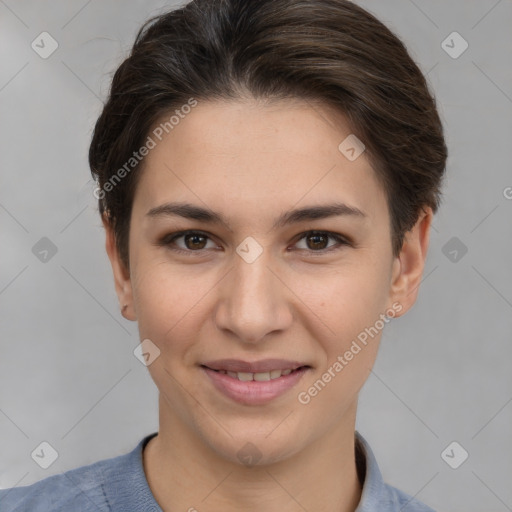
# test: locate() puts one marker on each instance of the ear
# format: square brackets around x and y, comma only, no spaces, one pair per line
[409,264]
[122,278]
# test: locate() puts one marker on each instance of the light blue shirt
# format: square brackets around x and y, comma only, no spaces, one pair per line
[119,485]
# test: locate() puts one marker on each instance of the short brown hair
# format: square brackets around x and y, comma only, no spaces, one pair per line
[331,51]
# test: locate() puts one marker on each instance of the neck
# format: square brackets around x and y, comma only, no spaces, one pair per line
[190,475]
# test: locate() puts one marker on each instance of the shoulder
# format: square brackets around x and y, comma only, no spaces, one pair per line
[80,489]
[377,495]
[399,500]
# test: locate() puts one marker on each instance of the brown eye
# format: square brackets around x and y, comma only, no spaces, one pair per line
[189,241]
[195,241]
[317,241]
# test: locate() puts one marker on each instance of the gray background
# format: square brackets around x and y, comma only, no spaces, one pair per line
[68,375]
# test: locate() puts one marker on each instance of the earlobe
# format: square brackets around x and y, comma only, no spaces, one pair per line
[409,265]
[122,278]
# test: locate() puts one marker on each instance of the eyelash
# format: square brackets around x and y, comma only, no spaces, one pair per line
[168,240]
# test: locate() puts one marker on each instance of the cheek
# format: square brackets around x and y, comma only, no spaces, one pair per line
[349,305]
[346,301]
[169,306]
[168,301]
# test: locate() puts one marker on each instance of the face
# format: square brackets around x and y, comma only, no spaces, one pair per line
[251,292]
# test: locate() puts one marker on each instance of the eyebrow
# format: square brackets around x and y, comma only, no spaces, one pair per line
[190,211]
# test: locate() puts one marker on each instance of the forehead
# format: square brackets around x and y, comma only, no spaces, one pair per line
[258,157]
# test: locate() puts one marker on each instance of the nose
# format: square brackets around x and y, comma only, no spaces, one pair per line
[254,300]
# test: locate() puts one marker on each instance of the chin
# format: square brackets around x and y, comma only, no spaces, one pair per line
[250,447]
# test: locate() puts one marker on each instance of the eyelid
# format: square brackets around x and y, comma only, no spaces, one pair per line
[341,240]
[167,240]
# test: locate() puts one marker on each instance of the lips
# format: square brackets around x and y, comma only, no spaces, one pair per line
[263,366]
[254,383]
[258,376]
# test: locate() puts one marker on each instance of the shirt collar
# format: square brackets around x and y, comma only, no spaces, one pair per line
[374,493]
[126,486]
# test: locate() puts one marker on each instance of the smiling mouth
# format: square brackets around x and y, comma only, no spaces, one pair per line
[259,376]
[254,383]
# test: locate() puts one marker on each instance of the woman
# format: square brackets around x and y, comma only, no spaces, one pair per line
[267,175]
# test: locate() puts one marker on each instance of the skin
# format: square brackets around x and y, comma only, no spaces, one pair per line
[251,161]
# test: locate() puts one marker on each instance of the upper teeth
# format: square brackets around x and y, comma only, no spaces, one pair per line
[262,376]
